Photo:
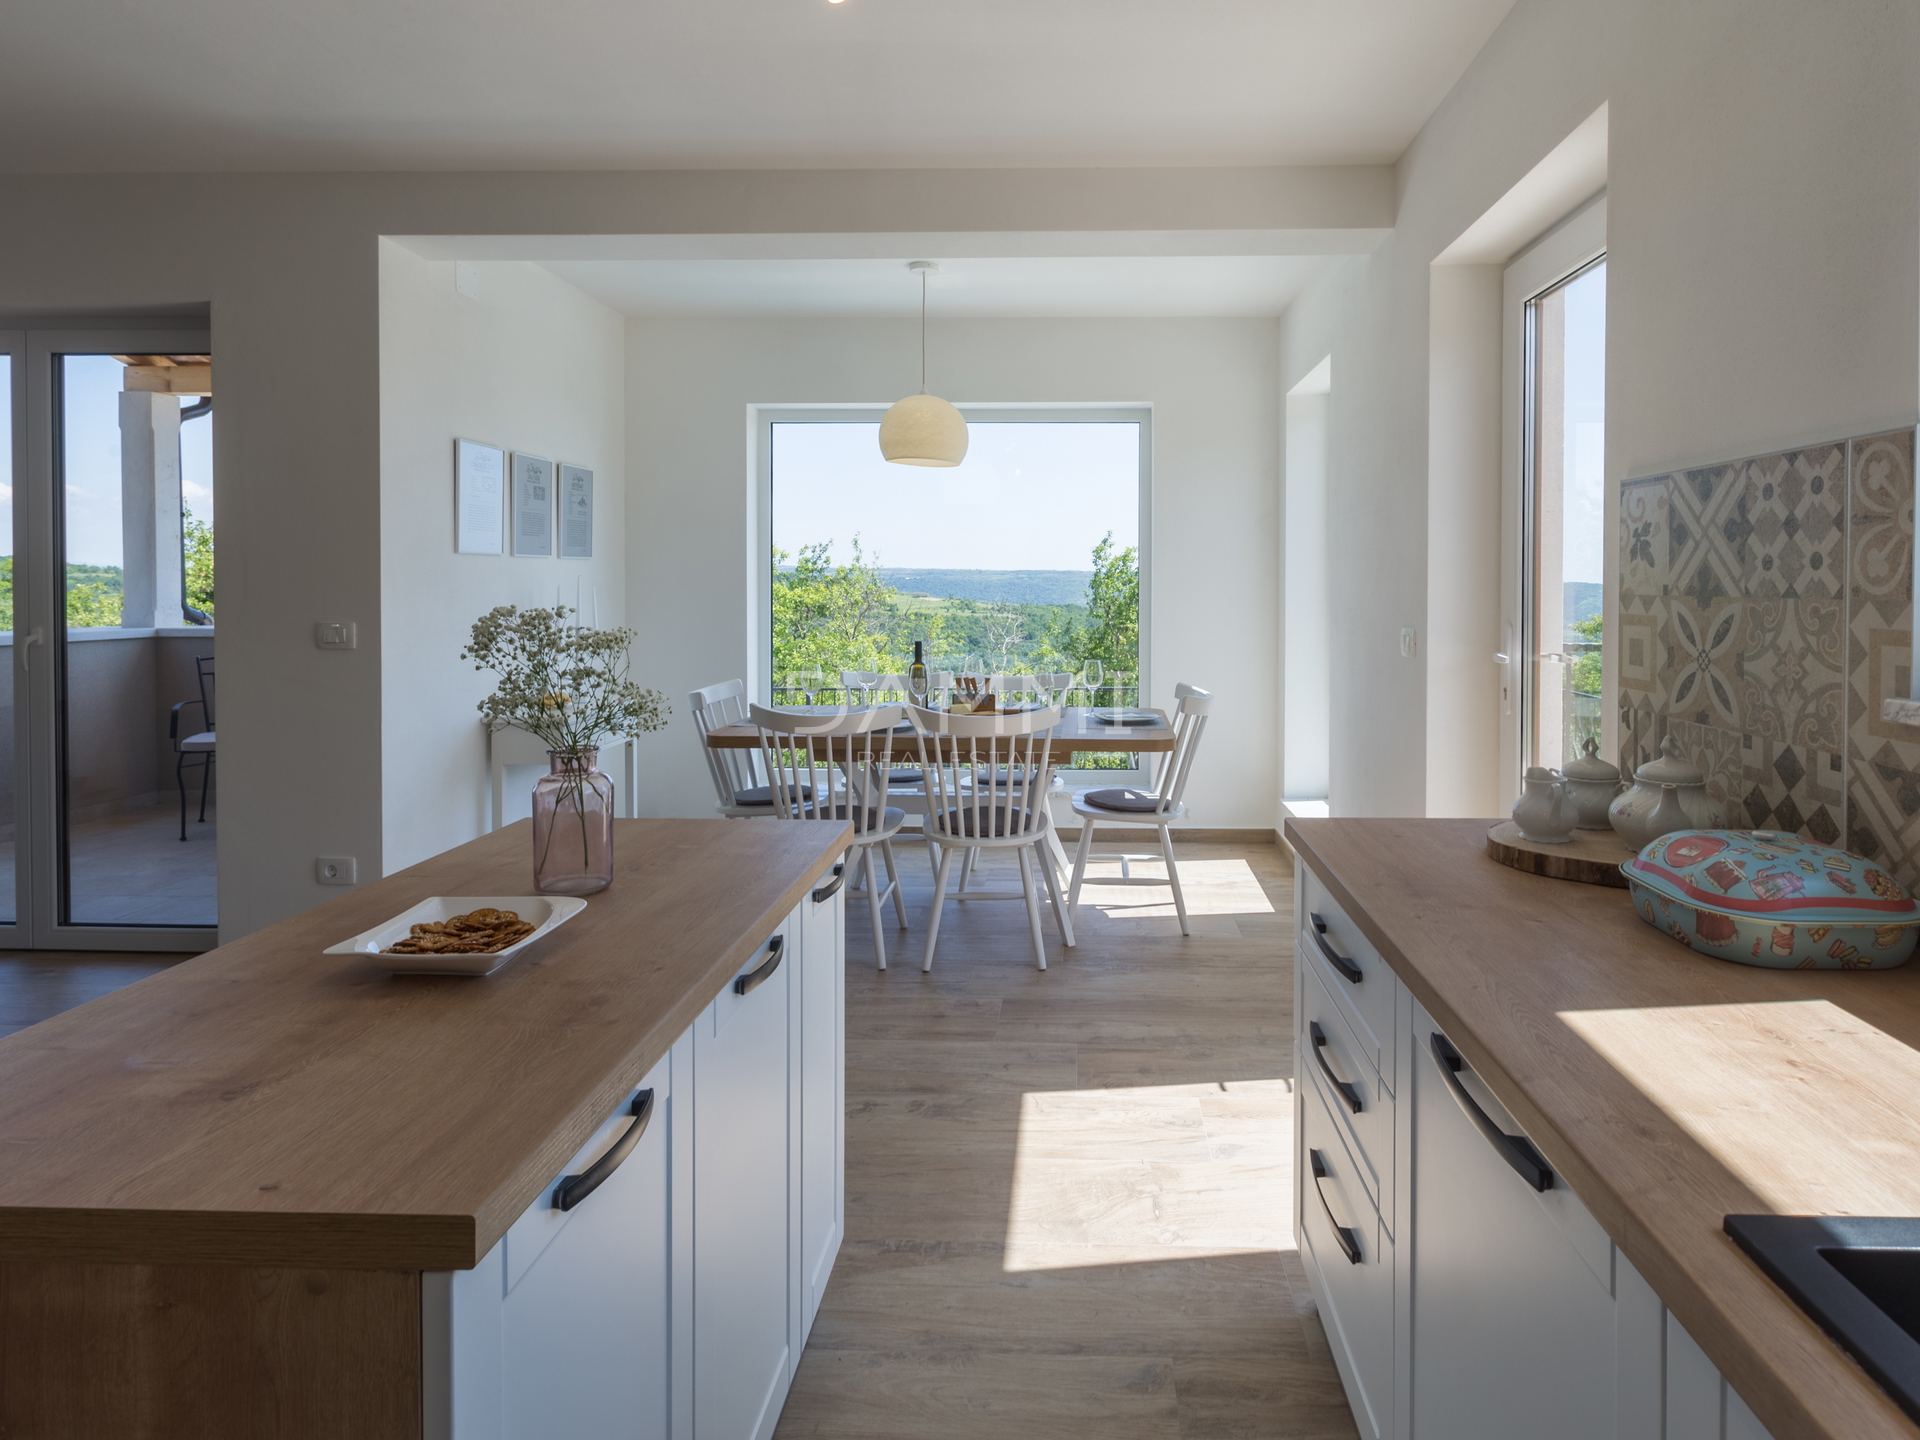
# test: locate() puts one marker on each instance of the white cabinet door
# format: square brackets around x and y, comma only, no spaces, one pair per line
[820,1107]
[741,1321]
[564,1327]
[1513,1310]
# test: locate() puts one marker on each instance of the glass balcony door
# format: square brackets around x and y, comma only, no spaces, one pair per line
[105,471]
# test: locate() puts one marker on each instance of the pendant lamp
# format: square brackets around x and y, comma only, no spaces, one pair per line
[923,429]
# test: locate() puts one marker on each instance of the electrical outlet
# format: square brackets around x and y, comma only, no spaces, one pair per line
[1409,643]
[334,870]
[334,635]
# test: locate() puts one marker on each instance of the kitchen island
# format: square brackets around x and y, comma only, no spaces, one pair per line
[1578,1284]
[276,1192]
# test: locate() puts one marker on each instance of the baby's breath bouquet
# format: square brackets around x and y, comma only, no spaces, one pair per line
[565,683]
[568,685]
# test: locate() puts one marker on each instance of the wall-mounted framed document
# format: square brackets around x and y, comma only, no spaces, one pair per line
[479,498]
[532,506]
[576,512]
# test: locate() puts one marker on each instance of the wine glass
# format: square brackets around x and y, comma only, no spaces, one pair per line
[1095,672]
[917,684]
[810,682]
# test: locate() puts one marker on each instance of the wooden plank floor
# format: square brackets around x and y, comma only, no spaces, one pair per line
[36,985]
[1069,1194]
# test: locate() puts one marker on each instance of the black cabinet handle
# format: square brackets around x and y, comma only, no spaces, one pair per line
[832,888]
[1345,1090]
[575,1188]
[1339,962]
[1349,1242]
[1516,1150]
[753,979]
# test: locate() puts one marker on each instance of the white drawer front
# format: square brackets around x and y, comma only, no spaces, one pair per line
[1352,1254]
[1359,980]
[1348,1084]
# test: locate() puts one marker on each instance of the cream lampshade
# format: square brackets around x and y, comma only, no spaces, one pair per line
[923,429]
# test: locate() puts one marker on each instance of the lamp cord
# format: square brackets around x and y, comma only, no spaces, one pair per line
[923,332]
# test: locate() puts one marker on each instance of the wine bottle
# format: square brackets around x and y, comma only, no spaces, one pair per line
[917,674]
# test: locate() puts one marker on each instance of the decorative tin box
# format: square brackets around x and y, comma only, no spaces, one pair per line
[1763,898]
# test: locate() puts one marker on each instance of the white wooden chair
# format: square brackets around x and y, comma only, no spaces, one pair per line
[739,786]
[797,752]
[971,812]
[1159,807]
[907,787]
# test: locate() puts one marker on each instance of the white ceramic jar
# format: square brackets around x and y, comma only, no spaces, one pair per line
[1635,813]
[1545,811]
[1593,784]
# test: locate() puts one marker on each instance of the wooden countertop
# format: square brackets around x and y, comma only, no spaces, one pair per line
[268,1105]
[1671,1089]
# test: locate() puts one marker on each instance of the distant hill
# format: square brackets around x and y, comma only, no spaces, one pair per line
[1582,601]
[1016,587]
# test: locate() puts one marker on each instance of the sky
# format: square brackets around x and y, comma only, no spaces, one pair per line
[1029,496]
[92,447]
[1584,515]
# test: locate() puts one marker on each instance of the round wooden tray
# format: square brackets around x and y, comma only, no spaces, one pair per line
[1592,857]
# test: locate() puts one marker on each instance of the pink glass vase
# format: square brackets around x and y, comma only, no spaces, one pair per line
[573,825]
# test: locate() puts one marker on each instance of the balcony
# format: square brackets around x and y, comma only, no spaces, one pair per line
[124,861]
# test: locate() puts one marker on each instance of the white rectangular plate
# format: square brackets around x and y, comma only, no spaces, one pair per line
[1125,717]
[544,912]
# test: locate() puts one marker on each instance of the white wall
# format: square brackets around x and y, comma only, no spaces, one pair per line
[1763,289]
[1306,657]
[1215,394]
[531,364]
[289,265]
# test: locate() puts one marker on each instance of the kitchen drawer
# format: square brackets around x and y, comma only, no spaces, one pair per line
[1328,1048]
[1361,982]
[1352,1256]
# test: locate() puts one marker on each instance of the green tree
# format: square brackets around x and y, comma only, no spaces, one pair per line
[1111,631]
[91,604]
[842,617]
[197,556]
[1586,666]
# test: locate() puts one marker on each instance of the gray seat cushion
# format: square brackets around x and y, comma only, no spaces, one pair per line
[869,820]
[763,795]
[906,777]
[1135,801]
[961,822]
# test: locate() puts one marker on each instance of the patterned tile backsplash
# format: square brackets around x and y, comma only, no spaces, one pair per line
[1766,609]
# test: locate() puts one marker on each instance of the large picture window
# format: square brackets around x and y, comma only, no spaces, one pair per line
[1027,557]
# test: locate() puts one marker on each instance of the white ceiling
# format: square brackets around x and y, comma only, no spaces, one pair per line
[621,84]
[996,287]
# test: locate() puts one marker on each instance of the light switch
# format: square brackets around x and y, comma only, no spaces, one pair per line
[333,634]
[334,870]
[1409,643]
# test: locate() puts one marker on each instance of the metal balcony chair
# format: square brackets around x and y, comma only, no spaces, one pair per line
[198,744]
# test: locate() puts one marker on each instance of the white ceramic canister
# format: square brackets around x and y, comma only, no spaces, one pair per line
[1593,783]
[1545,811]
[1634,812]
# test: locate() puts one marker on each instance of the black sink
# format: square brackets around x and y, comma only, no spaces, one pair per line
[1858,1276]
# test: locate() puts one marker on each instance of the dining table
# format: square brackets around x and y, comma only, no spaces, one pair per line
[1081,731]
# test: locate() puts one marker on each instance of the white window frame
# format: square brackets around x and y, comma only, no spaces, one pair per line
[1562,252]
[760,421]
